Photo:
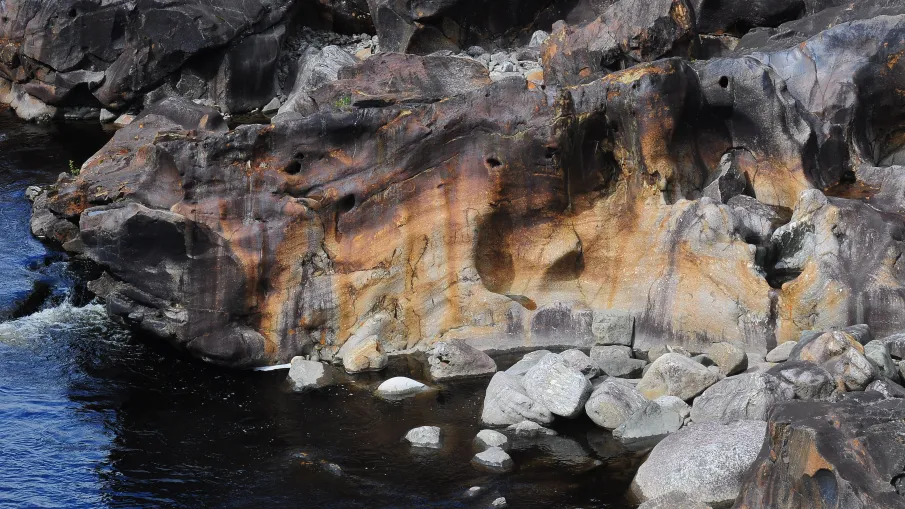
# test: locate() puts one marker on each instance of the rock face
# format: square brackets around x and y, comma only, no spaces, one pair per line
[822,455]
[705,461]
[419,200]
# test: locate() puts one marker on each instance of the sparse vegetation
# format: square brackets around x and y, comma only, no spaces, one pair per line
[73,169]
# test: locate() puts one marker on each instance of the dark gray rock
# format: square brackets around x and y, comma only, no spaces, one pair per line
[895,344]
[808,380]
[729,181]
[887,388]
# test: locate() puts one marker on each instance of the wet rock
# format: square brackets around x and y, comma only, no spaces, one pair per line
[748,396]
[365,355]
[843,454]
[581,362]
[558,386]
[529,429]
[676,375]
[499,503]
[493,460]
[705,461]
[617,361]
[487,438]
[107,116]
[808,380]
[729,358]
[781,353]
[425,436]
[649,425]
[305,375]
[527,362]
[612,403]
[613,328]
[450,360]
[506,402]
[400,387]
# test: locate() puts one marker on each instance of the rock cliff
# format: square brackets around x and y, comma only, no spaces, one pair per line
[717,182]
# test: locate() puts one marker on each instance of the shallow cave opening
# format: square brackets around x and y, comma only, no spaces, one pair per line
[293,168]
[345,204]
[492,163]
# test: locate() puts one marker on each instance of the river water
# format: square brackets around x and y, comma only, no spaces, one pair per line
[92,416]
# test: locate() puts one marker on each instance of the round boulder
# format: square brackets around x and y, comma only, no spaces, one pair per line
[676,375]
[425,436]
[612,403]
[554,383]
[400,387]
[746,396]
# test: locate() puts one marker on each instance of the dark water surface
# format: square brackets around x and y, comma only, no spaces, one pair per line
[91,416]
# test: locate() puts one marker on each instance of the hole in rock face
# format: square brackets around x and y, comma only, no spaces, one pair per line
[293,168]
[346,204]
[724,81]
[493,162]
[73,13]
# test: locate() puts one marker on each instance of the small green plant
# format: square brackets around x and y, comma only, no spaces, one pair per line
[73,169]
[343,102]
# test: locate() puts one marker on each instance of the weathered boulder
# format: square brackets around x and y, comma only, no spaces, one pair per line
[705,461]
[886,388]
[529,429]
[675,404]
[840,354]
[558,386]
[617,361]
[400,387]
[823,455]
[877,353]
[895,344]
[649,425]
[487,438]
[425,436]
[305,375]
[315,68]
[450,360]
[781,353]
[729,358]
[612,403]
[676,375]
[748,396]
[527,362]
[506,402]
[581,362]
[808,380]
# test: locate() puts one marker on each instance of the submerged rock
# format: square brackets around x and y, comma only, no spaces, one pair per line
[487,438]
[493,459]
[400,387]
[305,375]
[425,436]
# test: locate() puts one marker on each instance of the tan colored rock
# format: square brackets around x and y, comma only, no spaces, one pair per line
[368,355]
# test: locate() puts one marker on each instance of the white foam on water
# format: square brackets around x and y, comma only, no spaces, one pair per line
[272,368]
[42,324]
